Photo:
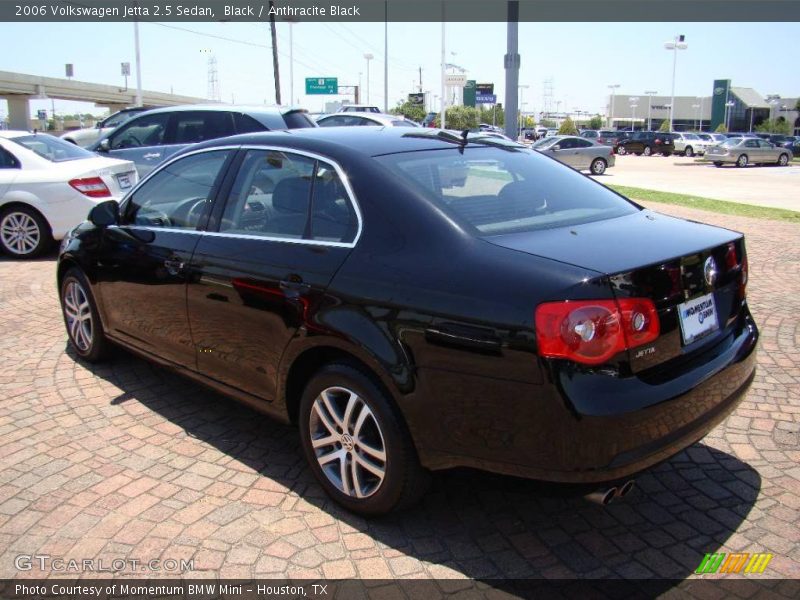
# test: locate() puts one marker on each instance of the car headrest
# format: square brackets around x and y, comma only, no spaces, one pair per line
[292,195]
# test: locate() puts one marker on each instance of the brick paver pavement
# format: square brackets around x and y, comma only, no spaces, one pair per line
[126,460]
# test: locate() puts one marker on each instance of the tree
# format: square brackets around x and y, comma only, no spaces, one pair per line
[567,127]
[779,125]
[721,128]
[664,126]
[485,115]
[415,112]
[596,122]
[459,118]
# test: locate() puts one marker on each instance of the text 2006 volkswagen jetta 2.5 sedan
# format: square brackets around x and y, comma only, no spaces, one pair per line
[416,301]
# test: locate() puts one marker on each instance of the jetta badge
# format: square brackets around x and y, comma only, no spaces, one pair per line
[710,270]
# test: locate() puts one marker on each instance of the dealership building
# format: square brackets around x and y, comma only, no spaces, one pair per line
[741,108]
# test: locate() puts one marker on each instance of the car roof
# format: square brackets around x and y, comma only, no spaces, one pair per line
[368,115]
[10,134]
[243,108]
[341,141]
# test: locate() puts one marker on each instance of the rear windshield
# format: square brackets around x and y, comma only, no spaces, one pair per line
[298,120]
[52,148]
[493,191]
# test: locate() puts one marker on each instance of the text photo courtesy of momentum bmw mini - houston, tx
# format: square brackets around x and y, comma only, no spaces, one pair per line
[477,298]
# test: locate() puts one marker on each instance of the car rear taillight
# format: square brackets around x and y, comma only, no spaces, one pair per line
[94,187]
[743,280]
[731,262]
[593,331]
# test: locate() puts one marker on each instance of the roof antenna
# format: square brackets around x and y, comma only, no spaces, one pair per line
[464,135]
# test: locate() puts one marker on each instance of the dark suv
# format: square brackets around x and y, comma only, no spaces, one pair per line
[647,143]
[153,136]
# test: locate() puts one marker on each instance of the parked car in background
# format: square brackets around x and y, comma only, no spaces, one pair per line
[793,144]
[647,143]
[429,119]
[747,151]
[577,152]
[529,134]
[688,144]
[48,185]
[89,135]
[611,138]
[590,134]
[152,137]
[359,108]
[551,131]
[350,119]
[529,322]
[712,138]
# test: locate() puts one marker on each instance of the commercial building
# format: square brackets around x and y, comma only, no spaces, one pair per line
[740,108]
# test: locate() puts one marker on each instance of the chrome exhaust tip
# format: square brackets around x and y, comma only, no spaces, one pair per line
[626,488]
[603,496]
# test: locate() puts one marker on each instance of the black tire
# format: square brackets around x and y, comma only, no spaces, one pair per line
[742,161]
[404,480]
[666,154]
[783,160]
[638,153]
[689,152]
[717,163]
[97,348]
[598,166]
[621,150]
[16,221]
[647,151]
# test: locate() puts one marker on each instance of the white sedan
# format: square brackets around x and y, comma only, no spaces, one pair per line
[48,185]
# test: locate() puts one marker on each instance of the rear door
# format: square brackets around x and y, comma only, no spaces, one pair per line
[585,152]
[288,224]
[9,169]
[143,275]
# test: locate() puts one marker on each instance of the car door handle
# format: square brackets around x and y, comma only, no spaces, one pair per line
[173,266]
[294,288]
[152,155]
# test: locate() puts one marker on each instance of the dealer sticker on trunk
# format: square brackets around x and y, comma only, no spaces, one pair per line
[698,318]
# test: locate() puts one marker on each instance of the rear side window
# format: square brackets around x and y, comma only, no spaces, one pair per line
[493,191]
[196,126]
[8,160]
[52,148]
[298,119]
[289,196]
[247,124]
[147,130]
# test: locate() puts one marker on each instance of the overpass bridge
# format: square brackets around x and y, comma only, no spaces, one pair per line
[19,88]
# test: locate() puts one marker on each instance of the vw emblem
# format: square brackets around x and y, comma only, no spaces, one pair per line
[718,90]
[710,270]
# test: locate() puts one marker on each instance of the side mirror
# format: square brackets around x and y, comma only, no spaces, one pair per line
[104,146]
[105,214]
[556,147]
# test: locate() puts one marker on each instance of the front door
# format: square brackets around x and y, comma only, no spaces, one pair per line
[143,277]
[142,140]
[287,226]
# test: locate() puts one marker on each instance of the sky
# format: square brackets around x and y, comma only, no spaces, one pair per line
[581,59]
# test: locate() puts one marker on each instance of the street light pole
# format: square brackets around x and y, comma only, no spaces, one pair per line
[677,44]
[650,94]
[612,87]
[696,117]
[138,63]
[369,57]
[519,127]
[633,100]
[728,105]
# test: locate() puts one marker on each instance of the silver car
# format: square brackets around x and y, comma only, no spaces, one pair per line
[745,151]
[349,119]
[579,153]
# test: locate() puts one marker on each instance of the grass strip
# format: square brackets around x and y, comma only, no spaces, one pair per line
[724,207]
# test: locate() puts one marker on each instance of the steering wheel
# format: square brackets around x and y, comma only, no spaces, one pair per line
[152,218]
[189,211]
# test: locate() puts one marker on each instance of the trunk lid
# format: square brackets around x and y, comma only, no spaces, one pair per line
[665,259]
[118,175]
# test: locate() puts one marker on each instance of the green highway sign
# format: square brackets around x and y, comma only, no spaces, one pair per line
[322,85]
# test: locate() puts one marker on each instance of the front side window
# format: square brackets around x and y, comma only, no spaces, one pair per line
[52,148]
[493,191]
[144,131]
[178,195]
[289,196]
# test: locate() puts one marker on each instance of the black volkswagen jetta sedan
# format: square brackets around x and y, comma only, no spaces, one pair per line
[417,301]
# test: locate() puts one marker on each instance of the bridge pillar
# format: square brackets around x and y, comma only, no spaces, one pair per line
[19,112]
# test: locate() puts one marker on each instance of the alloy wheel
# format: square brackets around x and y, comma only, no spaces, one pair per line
[20,233]
[647,151]
[78,313]
[598,166]
[689,152]
[783,160]
[347,442]
[742,161]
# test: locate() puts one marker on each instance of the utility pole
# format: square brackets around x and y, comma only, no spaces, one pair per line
[138,62]
[420,79]
[275,65]
[512,61]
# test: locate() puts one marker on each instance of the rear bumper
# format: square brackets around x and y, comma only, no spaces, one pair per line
[586,427]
